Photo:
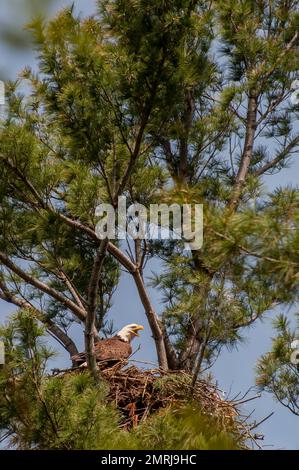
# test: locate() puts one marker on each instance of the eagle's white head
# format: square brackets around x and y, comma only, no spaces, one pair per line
[128,332]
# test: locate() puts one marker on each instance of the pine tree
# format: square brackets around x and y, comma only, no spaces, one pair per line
[177,102]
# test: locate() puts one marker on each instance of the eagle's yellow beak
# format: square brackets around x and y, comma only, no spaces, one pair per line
[135,330]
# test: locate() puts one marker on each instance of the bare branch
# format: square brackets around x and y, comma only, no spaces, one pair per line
[90,323]
[79,312]
[69,284]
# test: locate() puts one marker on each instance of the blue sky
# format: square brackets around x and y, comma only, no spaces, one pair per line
[234,370]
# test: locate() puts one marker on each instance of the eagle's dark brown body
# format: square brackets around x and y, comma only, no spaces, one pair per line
[112,349]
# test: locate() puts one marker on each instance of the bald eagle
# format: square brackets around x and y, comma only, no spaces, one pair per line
[112,349]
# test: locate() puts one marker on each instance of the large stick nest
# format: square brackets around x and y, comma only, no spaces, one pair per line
[138,393]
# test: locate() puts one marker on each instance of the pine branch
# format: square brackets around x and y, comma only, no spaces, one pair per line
[187,122]
[132,269]
[79,312]
[90,323]
[60,335]
[143,124]
[272,69]
[253,253]
[251,125]
[280,158]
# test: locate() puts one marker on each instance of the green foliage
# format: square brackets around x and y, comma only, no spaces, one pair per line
[180,429]
[44,412]
[163,102]
[276,372]
[70,411]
